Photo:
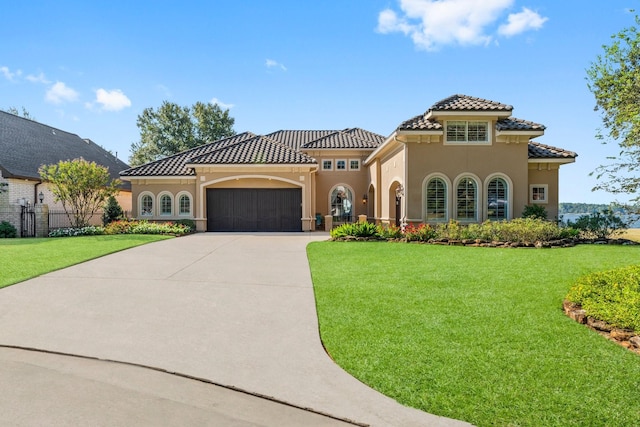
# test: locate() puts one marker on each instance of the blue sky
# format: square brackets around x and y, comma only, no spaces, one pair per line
[90,67]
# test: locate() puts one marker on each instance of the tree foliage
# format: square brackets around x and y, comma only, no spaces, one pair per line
[614,79]
[25,113]
[171,129]
[81,186]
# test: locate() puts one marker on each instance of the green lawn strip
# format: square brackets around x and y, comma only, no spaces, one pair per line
[22,259]
[476,334]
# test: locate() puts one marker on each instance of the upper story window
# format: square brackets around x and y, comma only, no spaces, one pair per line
[327,165]
[341,165]
[474,132]
[354,164]
[539,193]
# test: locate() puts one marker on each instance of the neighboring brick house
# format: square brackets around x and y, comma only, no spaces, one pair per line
[466,159]
[25,145]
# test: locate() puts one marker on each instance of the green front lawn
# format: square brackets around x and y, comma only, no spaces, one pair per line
[476,334]
[22,259]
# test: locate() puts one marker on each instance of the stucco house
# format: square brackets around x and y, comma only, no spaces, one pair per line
[465,158]
[25,145]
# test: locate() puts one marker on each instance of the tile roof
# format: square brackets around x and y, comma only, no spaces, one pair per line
[347,139]
[176,165]
[420,123]
[468,103]
[281,147]
[511,123]
[26,145]
[541,151]
[257,150]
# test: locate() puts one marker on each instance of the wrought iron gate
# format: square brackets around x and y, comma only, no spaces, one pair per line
[27,222]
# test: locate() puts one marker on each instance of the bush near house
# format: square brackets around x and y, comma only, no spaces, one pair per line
[127,227]
[7,230]
[599,225]
[520,230]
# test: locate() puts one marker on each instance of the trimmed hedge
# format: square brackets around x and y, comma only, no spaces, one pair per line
[126,227]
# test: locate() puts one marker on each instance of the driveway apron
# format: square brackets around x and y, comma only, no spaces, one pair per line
[235,309]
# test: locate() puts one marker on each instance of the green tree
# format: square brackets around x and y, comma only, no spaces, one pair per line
[171,129]
[25,113]
[614,79]
[112,211]
[81,186]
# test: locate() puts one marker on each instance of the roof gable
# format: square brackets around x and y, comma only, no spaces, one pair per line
[468,103]
[26,145]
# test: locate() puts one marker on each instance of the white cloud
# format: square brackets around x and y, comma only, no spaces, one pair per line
[222,104]
[521,22]
[8,74]
[60,93]
[432,24]
[275,64]
[40,78]
[112,100]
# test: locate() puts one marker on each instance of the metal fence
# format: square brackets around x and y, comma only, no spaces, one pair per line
[60,219]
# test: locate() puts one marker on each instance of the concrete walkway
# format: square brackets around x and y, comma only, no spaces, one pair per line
[236,310]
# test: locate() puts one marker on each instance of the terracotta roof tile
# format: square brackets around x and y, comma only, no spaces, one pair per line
[541,151]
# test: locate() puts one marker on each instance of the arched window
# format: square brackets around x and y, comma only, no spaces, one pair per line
[342,204]
[184,205]
[166,208]
[467,200]
[146,205]
[497,199]
[436,199]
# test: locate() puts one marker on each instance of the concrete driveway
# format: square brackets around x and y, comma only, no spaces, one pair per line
[236,310]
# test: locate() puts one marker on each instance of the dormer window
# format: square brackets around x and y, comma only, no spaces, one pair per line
[471,132]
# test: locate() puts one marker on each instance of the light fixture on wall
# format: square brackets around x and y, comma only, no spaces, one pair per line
[41,197]
[365,198]
[399,191]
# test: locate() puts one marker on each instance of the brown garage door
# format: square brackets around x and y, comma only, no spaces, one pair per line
[254,209]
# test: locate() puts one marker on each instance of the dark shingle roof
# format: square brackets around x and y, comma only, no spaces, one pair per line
[25,145]
[468,103]
[257,150]
[176,165]
[281,147]
[541,151]
[512,123]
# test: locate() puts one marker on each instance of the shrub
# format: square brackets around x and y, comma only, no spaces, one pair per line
[534,211]
[356,229]
[7,230]
[420,233]
[81,231]
[389,232]
[599,225]
[146,227]
[119,227]
[612,296]
[112,211]
[187,223]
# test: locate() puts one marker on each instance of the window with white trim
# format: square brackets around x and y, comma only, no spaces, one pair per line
[184,205]
[166,203]
[461,131]
[436,198]
[146,205]
[467,200]
[327,165]
[497,199]
[539,193]
[341,165]
[354,164]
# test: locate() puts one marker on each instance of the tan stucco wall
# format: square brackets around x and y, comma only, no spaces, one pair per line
[546,173]
[156,187]
[393,169]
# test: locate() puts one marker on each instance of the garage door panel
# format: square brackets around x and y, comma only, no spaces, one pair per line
[251,209]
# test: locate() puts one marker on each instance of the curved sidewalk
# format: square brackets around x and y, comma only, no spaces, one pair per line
[234,309]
